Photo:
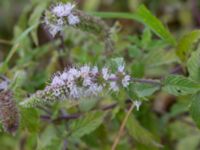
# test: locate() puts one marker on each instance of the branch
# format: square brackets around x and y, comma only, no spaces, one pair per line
[148,81]
[74,116]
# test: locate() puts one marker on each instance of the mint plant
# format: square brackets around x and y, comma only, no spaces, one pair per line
[74,80]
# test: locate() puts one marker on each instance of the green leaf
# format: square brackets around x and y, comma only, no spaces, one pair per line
[144,90]
[4,65]
[185,45]
[26,32]
[29,119]
[87,124]
[190,142]
[145,16]
[193,66]
[139,133]
[146,37]
[47,141]
[195,109]
[180,85]
[35,17]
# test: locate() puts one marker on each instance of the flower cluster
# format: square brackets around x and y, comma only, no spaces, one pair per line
[62,15]
[9,114]
[77,83]
[61,12]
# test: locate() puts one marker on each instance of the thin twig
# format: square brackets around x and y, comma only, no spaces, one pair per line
[122,127]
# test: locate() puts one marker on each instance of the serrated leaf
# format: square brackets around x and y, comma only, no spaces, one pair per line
[195,109]
[193,66]
[47,141]
[145,16]
[139,133]
[180,85]
[144,90]
[87,124]
[186,43]
[160,57]
[190,142]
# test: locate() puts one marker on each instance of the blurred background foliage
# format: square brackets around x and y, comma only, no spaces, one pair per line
[34,56]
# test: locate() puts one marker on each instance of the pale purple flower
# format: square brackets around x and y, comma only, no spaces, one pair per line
[113,86]
[56,92]
[54,29]
[74,93]
[112,76]
[60,22]
[105,73]
[64,76]
[126,80]
[87,81]
[94,70]
[121,68]
[73,20]
[62,10]
[74,72]
[94,89]
[57,81]
[84,71]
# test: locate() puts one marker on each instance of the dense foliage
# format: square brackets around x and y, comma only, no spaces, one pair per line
[98,74]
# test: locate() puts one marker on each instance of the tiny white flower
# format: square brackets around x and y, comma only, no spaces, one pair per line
[73,20]
[113,76]
[114,86]
[105,73]
[60,22]
[121,68]
[126,81]
[57,81]
[74,92]
[87,81]
[94,70]
[68,8]
[94,89]
[62,10]
[56,92]
[84,71]
[64,76]
[74,72]
[53,29]
[137,104]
